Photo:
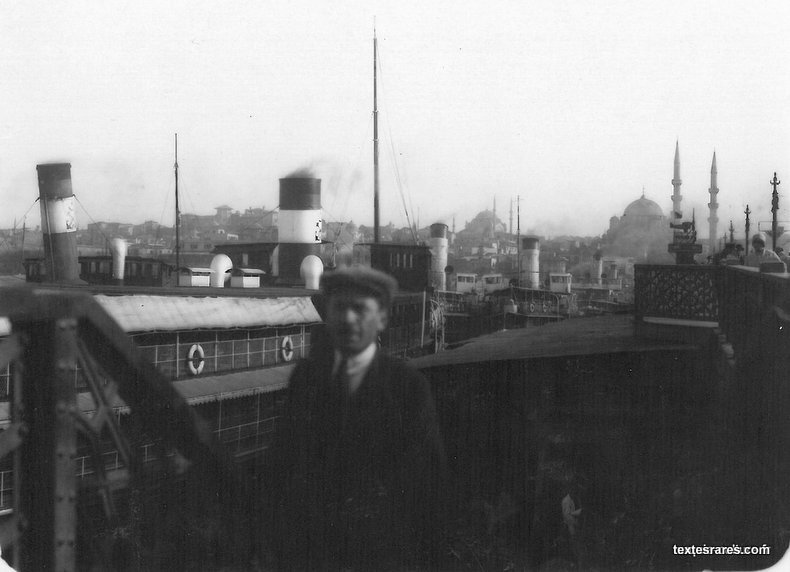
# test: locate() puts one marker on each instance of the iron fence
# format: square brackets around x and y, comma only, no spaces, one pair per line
[677,292]
[53,333]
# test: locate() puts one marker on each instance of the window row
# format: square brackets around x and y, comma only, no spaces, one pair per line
[211,354]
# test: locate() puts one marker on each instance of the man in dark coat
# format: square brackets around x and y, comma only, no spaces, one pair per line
[359,458]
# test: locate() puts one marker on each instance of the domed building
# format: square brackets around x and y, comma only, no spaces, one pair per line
[643,212]
[481,234]
[642,232]
[486,224]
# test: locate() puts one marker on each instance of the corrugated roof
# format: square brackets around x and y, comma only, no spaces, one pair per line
[199,390]
[146,313]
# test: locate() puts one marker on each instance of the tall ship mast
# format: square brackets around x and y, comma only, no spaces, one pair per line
[375,147]
[178,212]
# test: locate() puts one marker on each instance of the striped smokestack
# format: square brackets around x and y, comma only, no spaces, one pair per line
[438,247]
[299,225]
[58,222]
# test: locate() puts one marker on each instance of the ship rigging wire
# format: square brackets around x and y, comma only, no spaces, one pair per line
[24,216]
[338,232]
[344,198]
[259,219]
[393,157]
[106,238]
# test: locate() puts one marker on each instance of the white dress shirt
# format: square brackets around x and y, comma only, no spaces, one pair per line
[356,366]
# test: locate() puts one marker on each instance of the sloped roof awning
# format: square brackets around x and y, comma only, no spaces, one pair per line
[199,390]
[234,385]
[146,313]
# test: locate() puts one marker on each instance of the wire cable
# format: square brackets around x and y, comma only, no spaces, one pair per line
[24,216]
[398,178]
[260,219]
[106,238]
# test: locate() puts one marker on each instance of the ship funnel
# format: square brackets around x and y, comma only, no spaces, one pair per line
[438,245]
[298,226]
[598,268]
[118,250]
[530,262]
[59,222]
[220,265]
[311,270]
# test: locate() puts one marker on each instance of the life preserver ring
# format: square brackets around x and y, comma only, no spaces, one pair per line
[532,306]
[287,349]
[199,359]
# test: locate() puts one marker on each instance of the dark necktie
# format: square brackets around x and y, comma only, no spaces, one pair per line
[340,382]
[341,377]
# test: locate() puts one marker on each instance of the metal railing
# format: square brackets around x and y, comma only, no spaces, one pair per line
[751,364]
[749,307]
[677,292]
[52,332]
[753,305]
[458,302]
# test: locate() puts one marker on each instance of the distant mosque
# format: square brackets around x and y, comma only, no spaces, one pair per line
[641,233]
[640,214]
[644,232]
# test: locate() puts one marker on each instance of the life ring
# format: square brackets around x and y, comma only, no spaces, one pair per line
[287,349]
[200,359]
[532,306]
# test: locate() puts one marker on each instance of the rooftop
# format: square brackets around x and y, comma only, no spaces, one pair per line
[576,337]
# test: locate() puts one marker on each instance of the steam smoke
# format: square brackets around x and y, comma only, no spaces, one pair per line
[302,173]
[341,186]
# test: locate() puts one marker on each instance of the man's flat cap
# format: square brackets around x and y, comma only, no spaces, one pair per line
[361,280]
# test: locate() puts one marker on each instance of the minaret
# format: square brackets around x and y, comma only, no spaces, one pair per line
[677,212]
[713,219]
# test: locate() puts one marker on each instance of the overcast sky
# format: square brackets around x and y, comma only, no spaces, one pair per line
[573,106]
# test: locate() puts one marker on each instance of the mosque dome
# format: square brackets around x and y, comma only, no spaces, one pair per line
[641,231]
[485,224]
[642,207]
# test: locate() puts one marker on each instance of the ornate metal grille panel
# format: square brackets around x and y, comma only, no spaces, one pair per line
[679,292]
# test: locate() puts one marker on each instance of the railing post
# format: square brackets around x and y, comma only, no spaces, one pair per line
[47,480]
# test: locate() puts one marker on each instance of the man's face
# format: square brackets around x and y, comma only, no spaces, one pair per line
[758,246]
[354,321]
